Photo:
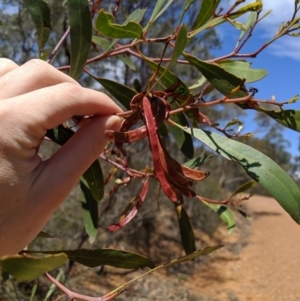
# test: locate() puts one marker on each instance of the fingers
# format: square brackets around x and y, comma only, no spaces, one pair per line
[33,75]
[35,112]
[58,175]
[6,65]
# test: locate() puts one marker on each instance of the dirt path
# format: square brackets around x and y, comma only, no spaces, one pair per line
[264,264]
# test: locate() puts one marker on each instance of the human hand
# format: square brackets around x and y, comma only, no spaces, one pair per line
[33,98]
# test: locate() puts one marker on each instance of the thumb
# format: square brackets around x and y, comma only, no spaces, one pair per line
[63,169]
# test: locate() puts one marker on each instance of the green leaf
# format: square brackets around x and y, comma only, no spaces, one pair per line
[116,258]
[207,9]
[222,80]
[80,34]
[288,118]
[185,258]
[242,69]
[250,21]
[60,134]
[106,44]
[182,139]
[29,268]
[254,6]
[127,61]
[225,214]
[122,93]
[136,17]
[167,79]
[43,234]
[40,13]
[33,292]
[94,179]
[259,167]
[180,44]
[198,161]
[90,211]
[242,188]
[104,24]
[186,230]
[4,276]
[158,10]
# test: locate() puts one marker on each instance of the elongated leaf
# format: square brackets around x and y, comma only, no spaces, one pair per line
[122,93]
[254,6]
[250,21]
[106,44]
[105,25]
[182,139]
[116,258]
[80,35]
[242,188]
[288,118]
[60,134]
[90,211]
[186,231]
[242,69]
[158,10]
[198,161]
[43,234]
[225,214]
[29,268]
[259,167]
[222,80]
[185,258]
[94,179]
[181,43]
[207,9]
[40,13]
[167,79]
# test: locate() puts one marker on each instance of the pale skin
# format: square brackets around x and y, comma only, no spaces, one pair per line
[33,98]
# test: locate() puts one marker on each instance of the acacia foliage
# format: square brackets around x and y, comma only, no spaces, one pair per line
[162,105]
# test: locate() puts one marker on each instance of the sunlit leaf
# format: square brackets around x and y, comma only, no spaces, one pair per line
[288,118]
[180,44]
[198,161]
[158,10]
[40,13]
[33,292]
[116,258]
[104,24]
[222,80]
[258,166]
[207,9]
[225,214]
[90,211]
[250,21]
[242,69]
[52,287]
[94,179]
[242,188]
[106,45]
[186,230]
[189,257]
[80,34]
[28,268]
[254,6]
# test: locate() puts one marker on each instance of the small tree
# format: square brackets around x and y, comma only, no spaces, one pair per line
[167,108]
